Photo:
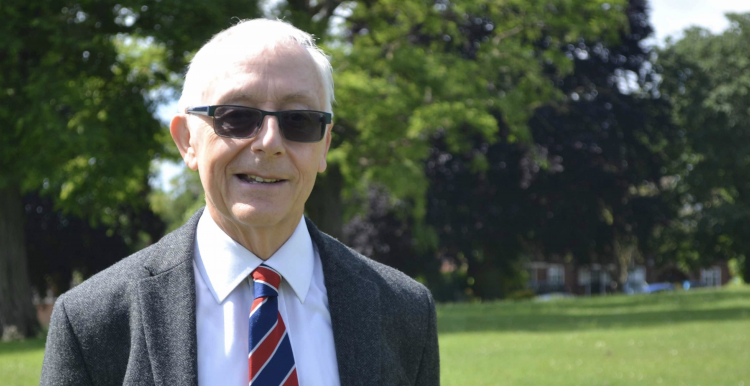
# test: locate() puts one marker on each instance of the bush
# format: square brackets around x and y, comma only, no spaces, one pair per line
[524,294]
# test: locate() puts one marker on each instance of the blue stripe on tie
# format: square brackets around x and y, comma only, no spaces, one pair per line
[262,289]
[278,366]
[262,321]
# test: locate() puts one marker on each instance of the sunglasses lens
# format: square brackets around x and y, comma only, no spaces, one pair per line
[236,122]
[302,126]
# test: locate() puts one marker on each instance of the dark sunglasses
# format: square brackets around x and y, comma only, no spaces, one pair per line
[244,122]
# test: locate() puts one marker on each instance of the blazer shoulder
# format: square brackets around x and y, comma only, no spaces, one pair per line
[391,282]
[392,279]
[115,287]
[108,293]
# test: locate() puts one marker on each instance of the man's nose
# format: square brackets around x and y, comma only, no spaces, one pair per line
[269,139]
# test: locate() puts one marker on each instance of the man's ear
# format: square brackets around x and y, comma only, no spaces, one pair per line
[323,163]
[181,136]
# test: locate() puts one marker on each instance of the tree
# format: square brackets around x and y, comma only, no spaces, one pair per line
[467,72]
[611,144]
[706,78]
[589,186]
[78,85]
[408,69]
[67,248]
[481,217]
[387,233]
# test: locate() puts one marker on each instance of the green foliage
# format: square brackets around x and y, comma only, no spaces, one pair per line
[707,78]
[62,245]
[406,69]
[523,294]
[78,89]
[585,185]
[176,204]
[77,95]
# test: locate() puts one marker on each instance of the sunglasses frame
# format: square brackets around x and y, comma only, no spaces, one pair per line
[209,111]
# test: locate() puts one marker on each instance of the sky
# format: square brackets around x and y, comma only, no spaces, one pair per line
[668,17]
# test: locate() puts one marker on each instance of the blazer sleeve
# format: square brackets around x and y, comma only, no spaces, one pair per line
[429,365]
[63,359]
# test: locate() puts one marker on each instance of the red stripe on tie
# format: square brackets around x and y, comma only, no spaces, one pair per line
[292,380]
[266,348]
[267,275]
[256,303]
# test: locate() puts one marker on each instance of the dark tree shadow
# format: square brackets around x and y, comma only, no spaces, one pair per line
[13,348]
[617,312]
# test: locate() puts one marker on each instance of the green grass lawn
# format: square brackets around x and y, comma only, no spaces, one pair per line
[21,362]
[683,338]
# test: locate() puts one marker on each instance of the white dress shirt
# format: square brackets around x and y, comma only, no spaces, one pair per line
[224,296]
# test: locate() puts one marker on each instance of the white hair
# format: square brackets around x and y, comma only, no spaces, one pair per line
[230,46]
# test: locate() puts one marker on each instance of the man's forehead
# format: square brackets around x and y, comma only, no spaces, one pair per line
[242,88]
[289,76]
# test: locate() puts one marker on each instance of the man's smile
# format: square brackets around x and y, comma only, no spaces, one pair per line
[255,179]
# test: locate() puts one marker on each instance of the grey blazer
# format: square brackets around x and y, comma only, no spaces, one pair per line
[134,323]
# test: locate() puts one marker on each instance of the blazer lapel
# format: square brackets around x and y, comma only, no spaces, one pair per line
[354,303]
[167,303]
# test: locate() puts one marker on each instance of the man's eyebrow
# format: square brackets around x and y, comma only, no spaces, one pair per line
[244,95]
[298,97]
[236,95]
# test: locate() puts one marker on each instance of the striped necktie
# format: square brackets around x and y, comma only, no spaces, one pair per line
[270,352]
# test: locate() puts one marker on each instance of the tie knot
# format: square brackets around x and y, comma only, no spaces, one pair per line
[266,280]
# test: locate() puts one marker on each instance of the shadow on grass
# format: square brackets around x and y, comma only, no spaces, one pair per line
[13,348]
[615,312]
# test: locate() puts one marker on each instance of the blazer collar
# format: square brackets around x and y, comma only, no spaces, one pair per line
[354,304]
[167,303]
[175,248]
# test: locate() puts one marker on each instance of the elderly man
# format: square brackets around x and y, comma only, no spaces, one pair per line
[248,290]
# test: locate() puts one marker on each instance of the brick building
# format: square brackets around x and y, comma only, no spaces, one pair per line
[546,277]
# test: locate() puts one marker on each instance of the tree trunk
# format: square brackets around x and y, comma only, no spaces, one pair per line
[324,205]
[625,250]
[17,313]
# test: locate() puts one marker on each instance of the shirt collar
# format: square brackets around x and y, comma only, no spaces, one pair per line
[225,263]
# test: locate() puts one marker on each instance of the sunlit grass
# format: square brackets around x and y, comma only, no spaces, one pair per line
[21,362]
[682,338]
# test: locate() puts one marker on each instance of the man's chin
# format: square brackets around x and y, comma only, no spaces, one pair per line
[246,215]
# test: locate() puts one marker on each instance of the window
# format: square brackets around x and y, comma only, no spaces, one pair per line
[711,277]
[556,274]
[584,277]
[638,274]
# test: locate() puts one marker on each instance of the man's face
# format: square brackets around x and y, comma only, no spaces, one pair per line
[273,79]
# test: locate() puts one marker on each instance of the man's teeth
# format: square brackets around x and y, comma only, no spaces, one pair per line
[252,178]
